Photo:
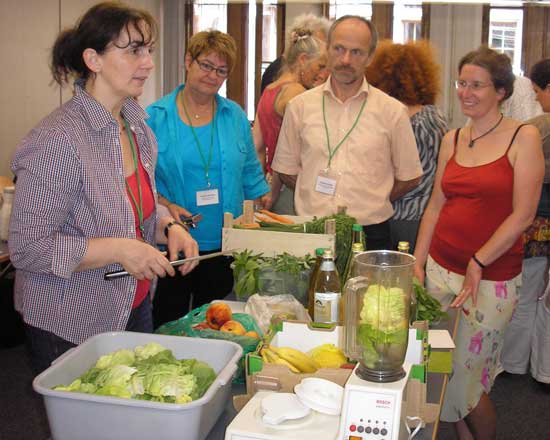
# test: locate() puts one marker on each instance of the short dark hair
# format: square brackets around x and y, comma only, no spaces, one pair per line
[99,26]
[370,25]
[497,64]
[540,73]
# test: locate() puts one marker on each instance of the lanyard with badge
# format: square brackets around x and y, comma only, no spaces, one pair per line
[327,178]
[208,195]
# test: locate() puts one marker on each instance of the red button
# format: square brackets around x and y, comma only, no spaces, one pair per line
[352,428]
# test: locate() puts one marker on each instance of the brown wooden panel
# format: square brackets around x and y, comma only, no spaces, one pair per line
[382,17]
[258,54]
[237,27]
[281,27]
[536,28]
[426,20]
[485,22]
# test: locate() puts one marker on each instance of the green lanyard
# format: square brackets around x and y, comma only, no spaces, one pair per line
[331,152]
[205,164]
[138,206]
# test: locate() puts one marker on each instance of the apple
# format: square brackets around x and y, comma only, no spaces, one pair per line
[234,327]
[201,326]
[218,314]
[252,334]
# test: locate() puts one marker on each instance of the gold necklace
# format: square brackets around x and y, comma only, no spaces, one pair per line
[473,141]
[195,115]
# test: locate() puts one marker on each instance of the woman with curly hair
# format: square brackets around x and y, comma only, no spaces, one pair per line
[409,73]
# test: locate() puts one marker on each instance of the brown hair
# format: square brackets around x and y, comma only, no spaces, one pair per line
[497,64]
[407,72]
[99,26]
[213,41]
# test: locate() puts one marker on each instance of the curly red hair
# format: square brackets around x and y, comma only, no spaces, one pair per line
[408,72]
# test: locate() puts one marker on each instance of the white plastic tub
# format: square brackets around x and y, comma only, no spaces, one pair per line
[77,416]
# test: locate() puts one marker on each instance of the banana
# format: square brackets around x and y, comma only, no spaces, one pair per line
[297,358]
[271,358]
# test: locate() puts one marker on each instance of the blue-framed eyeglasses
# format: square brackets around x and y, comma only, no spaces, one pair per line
[222,72]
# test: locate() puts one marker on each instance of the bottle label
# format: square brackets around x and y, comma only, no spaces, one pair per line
[326,307]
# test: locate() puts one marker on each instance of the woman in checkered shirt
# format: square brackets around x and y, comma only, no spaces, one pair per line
[86,201]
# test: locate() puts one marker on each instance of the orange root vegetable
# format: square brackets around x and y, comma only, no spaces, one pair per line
[250,225]
[277,217]
[263,218]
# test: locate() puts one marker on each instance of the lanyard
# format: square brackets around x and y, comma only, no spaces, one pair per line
[205,164]
[138,206]
[331,152]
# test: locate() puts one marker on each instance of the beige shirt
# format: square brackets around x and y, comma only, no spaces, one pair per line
[380,148]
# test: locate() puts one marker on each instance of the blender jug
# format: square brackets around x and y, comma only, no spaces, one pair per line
[377,308]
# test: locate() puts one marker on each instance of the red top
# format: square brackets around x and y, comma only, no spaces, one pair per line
[479,199]
[148,208]
[270,122]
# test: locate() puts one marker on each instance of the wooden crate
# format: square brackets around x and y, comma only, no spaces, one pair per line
[271,243]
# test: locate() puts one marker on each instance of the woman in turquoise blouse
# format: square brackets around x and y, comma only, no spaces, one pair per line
[207,164]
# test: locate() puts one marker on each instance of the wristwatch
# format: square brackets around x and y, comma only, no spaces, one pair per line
[172,223]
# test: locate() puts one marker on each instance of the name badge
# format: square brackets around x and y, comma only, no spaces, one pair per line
[208,197]
[325,185]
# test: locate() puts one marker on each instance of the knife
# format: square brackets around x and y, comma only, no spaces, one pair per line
[175,263]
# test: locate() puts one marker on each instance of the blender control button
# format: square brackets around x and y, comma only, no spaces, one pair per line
[360,429]
[368,429]
[352,428]
[384,431]
[375,431]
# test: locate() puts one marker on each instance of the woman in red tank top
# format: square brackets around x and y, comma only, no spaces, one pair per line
[469,249]
[303,68]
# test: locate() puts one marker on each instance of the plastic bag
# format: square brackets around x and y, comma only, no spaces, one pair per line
[184,327]
[264,308]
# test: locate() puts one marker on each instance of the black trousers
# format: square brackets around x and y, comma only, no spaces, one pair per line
[377,236]
[176,296]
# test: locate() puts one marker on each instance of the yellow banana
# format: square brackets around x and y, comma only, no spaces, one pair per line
[272,358]
[297,358]
[263,353]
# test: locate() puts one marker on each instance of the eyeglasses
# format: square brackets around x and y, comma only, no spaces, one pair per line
[473,86]
[222,72]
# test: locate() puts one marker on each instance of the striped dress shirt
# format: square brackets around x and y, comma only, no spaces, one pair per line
[70,187]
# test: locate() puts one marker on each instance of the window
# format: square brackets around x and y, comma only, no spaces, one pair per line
[269,30]
[339,8]
[506,34]
[407,20]
[210,14]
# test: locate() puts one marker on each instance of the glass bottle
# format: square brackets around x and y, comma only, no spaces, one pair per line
[356,248]
[327,304]
[404,246]
[358,235]
[312,279]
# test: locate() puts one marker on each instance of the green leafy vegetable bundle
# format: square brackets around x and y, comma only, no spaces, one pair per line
[284,273]
[150,372]
[383,326]
[427,308]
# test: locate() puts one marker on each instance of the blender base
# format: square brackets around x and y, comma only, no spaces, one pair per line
[379,376]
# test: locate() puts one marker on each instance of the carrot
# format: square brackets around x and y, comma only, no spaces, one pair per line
[263,218]
[250,225]
[277,217]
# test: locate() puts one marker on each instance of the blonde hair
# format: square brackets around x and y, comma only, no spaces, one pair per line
[214,41]
[302,41]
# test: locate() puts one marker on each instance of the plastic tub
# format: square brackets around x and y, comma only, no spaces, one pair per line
[77,416]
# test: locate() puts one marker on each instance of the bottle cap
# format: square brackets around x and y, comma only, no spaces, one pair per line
[319,252]
[327,253]
[403,246]
[356,227]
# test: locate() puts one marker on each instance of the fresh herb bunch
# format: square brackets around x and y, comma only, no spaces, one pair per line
[428,308]
[344,224]
[247,267]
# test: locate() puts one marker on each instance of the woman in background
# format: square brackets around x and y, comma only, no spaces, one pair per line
[470,234]
[85,198]
[304,61]
[409,73]
[207,164]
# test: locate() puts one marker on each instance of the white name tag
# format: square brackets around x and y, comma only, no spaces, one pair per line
[325,185]
[208,197]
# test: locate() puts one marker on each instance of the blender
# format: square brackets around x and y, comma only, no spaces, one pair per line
[376,327]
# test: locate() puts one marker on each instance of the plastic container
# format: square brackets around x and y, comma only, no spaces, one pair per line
[91,417]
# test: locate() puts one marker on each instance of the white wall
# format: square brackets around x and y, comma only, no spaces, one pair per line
[28,29]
